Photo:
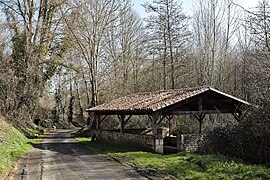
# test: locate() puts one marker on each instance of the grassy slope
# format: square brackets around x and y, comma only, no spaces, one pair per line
[182,165]
[13,145]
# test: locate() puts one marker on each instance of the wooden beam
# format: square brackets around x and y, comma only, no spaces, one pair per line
[161,119]
[100,120]
[201,116]
[122,122]
[127,119]
[195,112]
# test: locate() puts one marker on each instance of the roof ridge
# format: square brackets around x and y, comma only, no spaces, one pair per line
[185,88]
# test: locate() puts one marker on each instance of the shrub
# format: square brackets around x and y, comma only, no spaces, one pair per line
[249,140]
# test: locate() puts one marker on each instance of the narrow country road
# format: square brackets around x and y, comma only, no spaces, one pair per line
[60,157]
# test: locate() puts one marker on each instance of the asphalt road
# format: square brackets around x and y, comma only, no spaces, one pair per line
[60,157]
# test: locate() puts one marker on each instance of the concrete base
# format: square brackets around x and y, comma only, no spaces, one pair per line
[159,145]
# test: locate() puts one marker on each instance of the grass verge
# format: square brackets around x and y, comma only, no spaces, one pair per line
[180,165]
[13,145]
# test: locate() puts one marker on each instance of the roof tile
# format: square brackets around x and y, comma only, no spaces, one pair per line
[149,101]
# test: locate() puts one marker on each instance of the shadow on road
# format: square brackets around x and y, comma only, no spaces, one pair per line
[61,141]
[64,148]
[105,147]
[62,157]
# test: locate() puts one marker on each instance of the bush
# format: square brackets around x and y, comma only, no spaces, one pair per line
[183,129]
[249,140]
[220,140]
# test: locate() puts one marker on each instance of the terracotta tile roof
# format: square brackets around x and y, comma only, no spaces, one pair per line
[148,101]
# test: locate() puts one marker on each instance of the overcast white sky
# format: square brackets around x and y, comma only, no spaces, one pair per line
[187,5]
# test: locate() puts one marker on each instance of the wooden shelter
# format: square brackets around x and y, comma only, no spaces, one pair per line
[197,101]
[158,105]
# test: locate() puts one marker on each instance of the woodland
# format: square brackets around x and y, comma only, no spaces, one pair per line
[60,57]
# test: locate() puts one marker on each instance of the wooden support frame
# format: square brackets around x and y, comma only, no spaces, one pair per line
[100,120]
[154,122]
[200,119]
[95,123]
[90,114]
[161,119]
[195,112]
[169,118]
[161,108]
[123,121]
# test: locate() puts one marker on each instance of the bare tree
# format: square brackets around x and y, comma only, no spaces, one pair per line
[215,25]
[258,23]
[124,51]
[88,25]
[168,29]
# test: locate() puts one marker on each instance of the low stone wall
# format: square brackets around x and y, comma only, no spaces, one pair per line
[184,142]
[127,131]
[142,141]
[188,142]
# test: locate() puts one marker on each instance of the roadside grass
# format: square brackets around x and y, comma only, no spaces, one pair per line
[180,165]
[33,131]
[13,145]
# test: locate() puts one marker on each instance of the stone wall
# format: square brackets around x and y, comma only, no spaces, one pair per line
[128,131]
[188,142]
[184,142]
[142,141]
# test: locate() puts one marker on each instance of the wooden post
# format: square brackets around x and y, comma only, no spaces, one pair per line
[89,118]
[95,126]
[96,120]
[122,122]
[158,138]
[200,119]
[170,125]
[154,119]
[200,125]
[201,116]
